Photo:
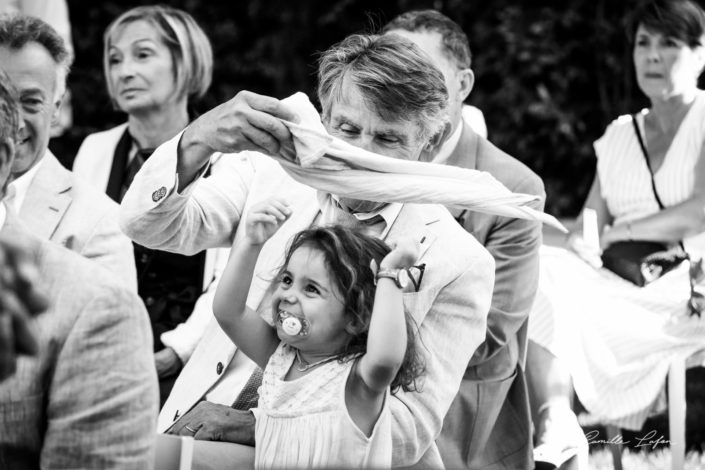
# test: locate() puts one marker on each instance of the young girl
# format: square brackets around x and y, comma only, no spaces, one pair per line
[338,342]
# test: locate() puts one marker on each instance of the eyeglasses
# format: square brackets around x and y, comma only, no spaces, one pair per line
[696,274]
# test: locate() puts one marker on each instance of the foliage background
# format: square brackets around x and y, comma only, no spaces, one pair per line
[550,75]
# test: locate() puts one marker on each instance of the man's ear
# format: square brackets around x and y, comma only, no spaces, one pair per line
[435,143]
[466,78]
[7,156]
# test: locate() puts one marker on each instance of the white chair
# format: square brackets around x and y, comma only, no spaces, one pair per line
[676,419]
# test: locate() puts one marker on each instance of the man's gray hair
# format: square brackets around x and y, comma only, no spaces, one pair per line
[393,75]
[9,109]
[455,42]
[16,31]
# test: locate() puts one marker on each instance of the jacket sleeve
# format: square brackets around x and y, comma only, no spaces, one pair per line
[103,398]
[514,244]
[204,215]
[453,325]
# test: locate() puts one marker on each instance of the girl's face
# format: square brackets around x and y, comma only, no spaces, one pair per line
[141,71]
[306,291]
[665,66]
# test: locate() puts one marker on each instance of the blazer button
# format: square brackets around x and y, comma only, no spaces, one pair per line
[149,301]
[219,368]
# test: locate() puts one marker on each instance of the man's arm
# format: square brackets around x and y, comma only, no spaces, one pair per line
[451,330]
[514,244]
[170,207]
[103,397]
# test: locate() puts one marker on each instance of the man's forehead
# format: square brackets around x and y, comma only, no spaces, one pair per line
[31,68]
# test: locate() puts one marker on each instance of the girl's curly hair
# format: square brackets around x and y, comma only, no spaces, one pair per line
[347,254]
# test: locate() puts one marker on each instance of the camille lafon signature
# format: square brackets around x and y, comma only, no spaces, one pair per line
[650,439]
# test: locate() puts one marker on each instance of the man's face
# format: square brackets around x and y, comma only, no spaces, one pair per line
[34,74]
[431,43]
[354,121]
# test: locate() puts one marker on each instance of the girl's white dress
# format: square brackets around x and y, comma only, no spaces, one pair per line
[304,423]
[618,339]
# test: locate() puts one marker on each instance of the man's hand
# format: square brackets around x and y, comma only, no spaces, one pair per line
[20,299]
[212,422]
[247,122]
[167,362]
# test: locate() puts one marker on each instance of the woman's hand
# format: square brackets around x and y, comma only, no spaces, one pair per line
[265,218]
[615,233]
[405,252]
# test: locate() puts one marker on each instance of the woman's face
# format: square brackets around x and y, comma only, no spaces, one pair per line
[665,66]
[140,69]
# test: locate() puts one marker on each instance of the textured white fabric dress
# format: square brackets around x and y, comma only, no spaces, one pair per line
[304,423]
[618,339]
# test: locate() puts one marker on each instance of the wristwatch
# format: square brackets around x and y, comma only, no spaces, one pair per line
[400,276]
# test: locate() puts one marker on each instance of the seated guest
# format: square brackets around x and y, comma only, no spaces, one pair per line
[489,421]
[50,200]
[87,398]
[156,61]
[628,335]
[381,94]
[22,297]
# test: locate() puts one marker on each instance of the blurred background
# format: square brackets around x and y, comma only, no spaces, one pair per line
[550,75]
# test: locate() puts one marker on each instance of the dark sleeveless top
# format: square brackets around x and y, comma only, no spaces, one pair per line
[168,283]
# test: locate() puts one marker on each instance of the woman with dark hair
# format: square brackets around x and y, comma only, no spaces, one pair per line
[157,60]
[617,339]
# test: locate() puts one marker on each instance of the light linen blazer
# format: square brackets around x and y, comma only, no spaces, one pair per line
[489,423]
[62,208]
[92,164]
[451,306]
[89,398]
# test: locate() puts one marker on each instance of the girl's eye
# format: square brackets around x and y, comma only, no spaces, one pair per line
[285,279]
[112,60]
[311,288]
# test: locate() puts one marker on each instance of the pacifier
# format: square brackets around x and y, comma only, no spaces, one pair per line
[292,324]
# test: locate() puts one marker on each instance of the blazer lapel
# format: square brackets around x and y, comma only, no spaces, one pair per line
[410,222]
[47,198]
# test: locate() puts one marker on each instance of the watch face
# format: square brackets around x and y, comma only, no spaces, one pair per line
[403,278]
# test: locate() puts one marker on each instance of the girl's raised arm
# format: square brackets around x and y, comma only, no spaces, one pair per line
[244,326]
[386,338]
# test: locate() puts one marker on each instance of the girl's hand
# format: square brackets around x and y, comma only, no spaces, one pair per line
[265,218]
[405,252]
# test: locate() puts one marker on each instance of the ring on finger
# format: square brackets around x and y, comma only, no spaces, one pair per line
[188,428]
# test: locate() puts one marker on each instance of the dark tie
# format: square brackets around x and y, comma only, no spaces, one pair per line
[248,396]
[133,167]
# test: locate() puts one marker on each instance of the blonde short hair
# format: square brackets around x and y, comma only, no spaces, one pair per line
[189,46]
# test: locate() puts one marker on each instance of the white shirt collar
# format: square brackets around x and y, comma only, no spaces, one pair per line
[389,213]
[19,186]
[449,145]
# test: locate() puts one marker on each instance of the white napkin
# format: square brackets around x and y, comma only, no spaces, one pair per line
[332,165]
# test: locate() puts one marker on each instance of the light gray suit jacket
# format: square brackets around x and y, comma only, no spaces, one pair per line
[451,306]
[88,399]
[62,208]
[489,423]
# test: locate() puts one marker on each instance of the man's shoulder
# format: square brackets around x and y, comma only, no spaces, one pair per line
[66,272]
[515,175]
[451,242]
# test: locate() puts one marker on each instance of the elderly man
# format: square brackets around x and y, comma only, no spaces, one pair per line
[489,424]
[87,398]
[378,93]
[49,199]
